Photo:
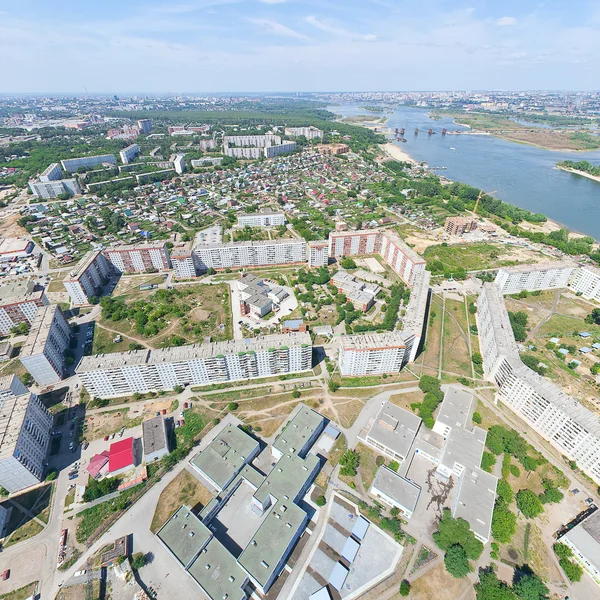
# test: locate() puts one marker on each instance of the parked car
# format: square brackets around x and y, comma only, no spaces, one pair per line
[164,411]
[181,414]
[73,476]
[85,445]
[71,444]
[6,575]
[112,437]
[106,438]
[157,413]
[185,405]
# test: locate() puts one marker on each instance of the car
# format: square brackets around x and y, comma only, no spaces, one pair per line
[181,414]
[185,405]
[157,413]
[106,438]
[71,444]
[6,575]
[71,487]
[589,500]
[163,411]
[86,445]
[112,437]
[73,476]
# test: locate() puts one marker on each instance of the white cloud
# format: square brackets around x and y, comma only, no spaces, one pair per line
[280,29]
[506,22]
[338,31]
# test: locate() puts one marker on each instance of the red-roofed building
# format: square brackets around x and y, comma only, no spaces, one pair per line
[121,456]
[97,463]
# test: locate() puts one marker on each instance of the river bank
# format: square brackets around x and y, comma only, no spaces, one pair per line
[582,173]
[397,153]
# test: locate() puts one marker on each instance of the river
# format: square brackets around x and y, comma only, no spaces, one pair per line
[522,175]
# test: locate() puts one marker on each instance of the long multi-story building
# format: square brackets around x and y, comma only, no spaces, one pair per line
[25,426]
[310,133]
[283,148]
[207,161]
[254,141]
[586,281]
[179,163]
[52,173]
[531,278]
[563,421]
[388,244]
[70,165]
[185,263]
[128,154]
[374,353]
[236,255]
[53,189]
[139,258]
[43,353]
[145,126]
[318,253]
[122,374]
[460,225]
[261,219]
[19,303]
[88,278]
[415,318]
[584,542]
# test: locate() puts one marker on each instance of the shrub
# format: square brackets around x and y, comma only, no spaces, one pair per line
[404,588]
[379,461]
[296,394]
[456,561]
[529,504]
[394,466]
[138,560]
[232,406]
[320,501]
[504,523]
[476,418]
[488,460]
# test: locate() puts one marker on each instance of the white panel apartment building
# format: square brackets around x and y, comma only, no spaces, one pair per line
[185,263]
[565,423]
[139,258]
[254,141]
[70,165]
[86,280]
[120,374]
[236,255]
[586,281]
[128,154]
[43,352]
[53,189]
[261,219]
[415,319]
[318,253]
[531,278]
[310,133]
[52,173]
[19,303]
[25,426]
[373,353]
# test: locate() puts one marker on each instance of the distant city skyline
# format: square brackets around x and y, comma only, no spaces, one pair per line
[152,46]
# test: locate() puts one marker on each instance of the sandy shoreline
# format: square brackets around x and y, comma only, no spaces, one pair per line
[397,153]
[576,172]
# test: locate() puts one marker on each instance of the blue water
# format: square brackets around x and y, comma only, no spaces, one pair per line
[522,175]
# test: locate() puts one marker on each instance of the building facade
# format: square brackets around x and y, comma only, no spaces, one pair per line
[129,154]
[139,258]
[53,189]
[373,353]
[531,278]
[460,225]
[310,133]
[415,318]
[70,165]
[179,164]
[261,219]
[185,263]
[88,278]
[584,541]
[145,126]
[586,281]
[120,374]
[25,434]
[19,303]
[52,173]
[318,253]
[43,353]
[560,419]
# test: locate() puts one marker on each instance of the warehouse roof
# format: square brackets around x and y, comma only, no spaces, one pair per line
[395,428]
[399,489]
[298,430]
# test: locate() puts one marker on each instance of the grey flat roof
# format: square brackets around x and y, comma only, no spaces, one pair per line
[16,289]
[14,401]
[398,488]
[395,428]
[464,447]
[360,528]
[298,430]
[350,549]
[226,454]
[586,538]
[457,408]
[40,328]
[373,341]
[414,318]
[543,266]
[338,576]
[218,573]
[154,434]
[184,534]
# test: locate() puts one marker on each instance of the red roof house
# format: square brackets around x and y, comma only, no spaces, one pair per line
[97,462]
[121,455]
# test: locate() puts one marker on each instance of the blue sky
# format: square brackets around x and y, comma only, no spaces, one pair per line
[122,46]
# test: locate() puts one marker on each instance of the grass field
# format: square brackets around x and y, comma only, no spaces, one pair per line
[184,489]
[22,593]
[430,357]
[471,257]
[20,525]
[456,356]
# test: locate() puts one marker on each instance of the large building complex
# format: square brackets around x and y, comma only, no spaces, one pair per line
[255,146]
[121,374]
[43,353]
[361,294]
[310,133]
[129,154]
[52,173]
[584,541]
[261,219]
[88,278]
[252,141]
[565,423]
[53,189]
[454,448]
[19,302]
[25,426]
[236,255]
[373,353]
[145,126]
[70,165]
[401,258]
[530,278]
[586,281]
[240,541]
[152,256]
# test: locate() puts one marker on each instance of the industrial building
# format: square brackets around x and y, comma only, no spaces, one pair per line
[261,219]
[124,373]
[19,303]
[25,426]
[87,279]
[374,353]
[15,248]
[71,165]
[560,419]
[152,256]
[531,278]
[43,353]
[129,154]
[240,541]
[155,441]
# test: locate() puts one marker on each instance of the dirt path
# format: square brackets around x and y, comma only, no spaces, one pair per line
[136,340]
[535,330]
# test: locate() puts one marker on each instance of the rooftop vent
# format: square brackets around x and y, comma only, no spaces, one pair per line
[264,564]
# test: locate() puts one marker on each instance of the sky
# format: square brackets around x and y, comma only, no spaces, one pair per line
[195,46]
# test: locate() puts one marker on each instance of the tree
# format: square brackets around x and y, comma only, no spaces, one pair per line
[504,491]
[138,560]
[21,328]
[347,263]
[488,460]
[320,501]
[572,570]
[489,587]
[476,358]
[52,475]
[530,587]
[457,531]
[333,386]
[504,523]
[27,379]
[404,588]
[427,383]
[3,492]
[529,504]
[518,321]
[594,317]
[178,389]
[232,406]
[456,561]
[296,394]
[476,418]
[349,462]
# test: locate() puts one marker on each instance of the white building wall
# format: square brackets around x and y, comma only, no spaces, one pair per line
[586,281]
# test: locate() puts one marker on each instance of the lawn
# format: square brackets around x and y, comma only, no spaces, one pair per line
[431,356]
[184,489]
[28,530]
[367,467]
[104,344]
[456,356]
[20,526]
[472,257]
[22,593]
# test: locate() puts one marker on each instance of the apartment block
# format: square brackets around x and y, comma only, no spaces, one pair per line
[373,353]
[255,141]
[139,258]
[244,152]
[560,419]
[88,278]
[43,352]
[70,165]
[460,225]
[179,164]
[25,426]
[52,173]
[354,243]
[415,319]
[185,263]
[283,148]
[586,281]
[333,148]
[235,255]
[129,154]
[261,219]
[121,374]
[19,303]
[531,278]
[359,293]
[318,253]
[53,189]
[145,126]
[310,133]
[206,162]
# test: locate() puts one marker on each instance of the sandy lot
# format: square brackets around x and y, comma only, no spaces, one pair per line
[397,153]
